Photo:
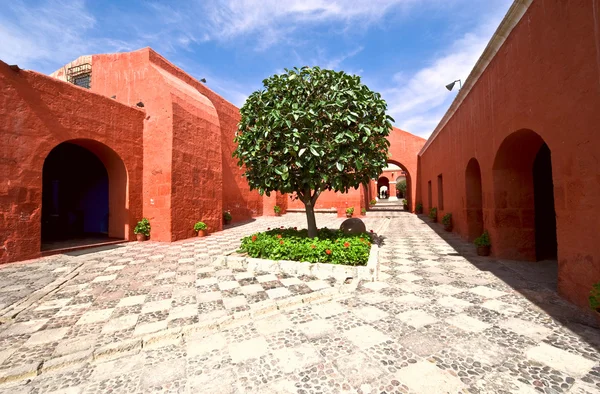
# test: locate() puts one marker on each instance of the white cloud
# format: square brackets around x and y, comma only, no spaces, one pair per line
[419,101]
[44,33]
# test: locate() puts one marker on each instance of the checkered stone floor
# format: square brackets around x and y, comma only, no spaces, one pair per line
[438,321]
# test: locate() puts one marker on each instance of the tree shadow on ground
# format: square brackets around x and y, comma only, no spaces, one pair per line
[238,224]
[536,281]
[90,250]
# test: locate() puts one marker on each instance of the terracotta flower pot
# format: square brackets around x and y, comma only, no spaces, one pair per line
[483,250]
[433,220]
[227,221]
[277,213]
[202,233]
[448,227]
[348,215]
[405,207]
[141,237]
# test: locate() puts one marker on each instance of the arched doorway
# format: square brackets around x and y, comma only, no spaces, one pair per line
[383,187]
[84,186]
[474,195]
[524,214]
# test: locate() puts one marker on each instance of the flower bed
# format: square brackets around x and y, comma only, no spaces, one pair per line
[330,246]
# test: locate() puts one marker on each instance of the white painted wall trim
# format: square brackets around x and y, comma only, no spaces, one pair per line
[512,17]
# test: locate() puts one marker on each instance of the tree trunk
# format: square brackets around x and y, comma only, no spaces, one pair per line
[310,218]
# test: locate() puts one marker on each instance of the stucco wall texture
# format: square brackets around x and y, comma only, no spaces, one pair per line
[543,86]
[188,141]
[37,113]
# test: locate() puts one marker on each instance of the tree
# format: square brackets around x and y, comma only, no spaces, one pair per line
[402,187]
[310,130]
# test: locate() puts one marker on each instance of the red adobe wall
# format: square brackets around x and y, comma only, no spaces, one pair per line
[236,196]
[182,141]
[404,149]
[36,114]
[543,85]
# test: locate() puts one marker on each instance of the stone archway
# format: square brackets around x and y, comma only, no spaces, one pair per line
[524,214]
[383,187]
[84,196]
[474,207]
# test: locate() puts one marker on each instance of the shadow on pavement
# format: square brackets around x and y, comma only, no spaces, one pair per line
[536,281]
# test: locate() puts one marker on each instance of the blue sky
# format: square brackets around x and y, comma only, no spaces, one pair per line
[405,49]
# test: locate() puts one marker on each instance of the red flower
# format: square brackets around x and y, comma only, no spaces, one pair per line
[268,228]
[371,230]
[280,242]
[254,237]
[346,244]
[281,226]
[328,251]
[313,246]
[295,228]
[279,236]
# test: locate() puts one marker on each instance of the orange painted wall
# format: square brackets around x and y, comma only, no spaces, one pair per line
[37,113]
[188,144]
[545,79]
[236,196]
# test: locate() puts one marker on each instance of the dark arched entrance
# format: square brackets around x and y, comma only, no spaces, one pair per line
[383,187]
[545,216]
[79,194]
[524,214]
[474,201]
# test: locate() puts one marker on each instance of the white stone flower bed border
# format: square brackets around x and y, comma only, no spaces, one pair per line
[370,272]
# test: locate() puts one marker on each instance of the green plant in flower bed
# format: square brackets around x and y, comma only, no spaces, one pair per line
[329,246]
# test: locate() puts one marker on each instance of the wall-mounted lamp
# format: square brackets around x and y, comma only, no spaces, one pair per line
[450,86]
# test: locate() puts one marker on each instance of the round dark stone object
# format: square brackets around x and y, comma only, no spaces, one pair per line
[353,226]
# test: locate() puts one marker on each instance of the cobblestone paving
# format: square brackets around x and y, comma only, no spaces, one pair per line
[438,321]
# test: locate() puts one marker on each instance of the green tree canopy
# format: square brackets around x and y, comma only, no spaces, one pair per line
[310,130]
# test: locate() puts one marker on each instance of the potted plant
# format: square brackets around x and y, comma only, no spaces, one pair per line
[349,212]
[227,217]
[363,211]
[277,210]
[483,244]
[142,230]
[200,228]
[594,299]
[433,214]
[373,202]
[419,208]
[447,221]
[405,204]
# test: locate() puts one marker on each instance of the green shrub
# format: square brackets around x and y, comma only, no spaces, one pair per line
[350,211]
[402,187]
[142,227]
[419,207]
[373,202]
[227,216]
[483,240]
[329,246]
[433,213]
[277,208]
[447,219]
[200,226]
[404,201]
[595,297]
[363,211]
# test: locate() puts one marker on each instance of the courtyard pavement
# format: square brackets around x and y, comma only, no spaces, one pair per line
[170,318]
